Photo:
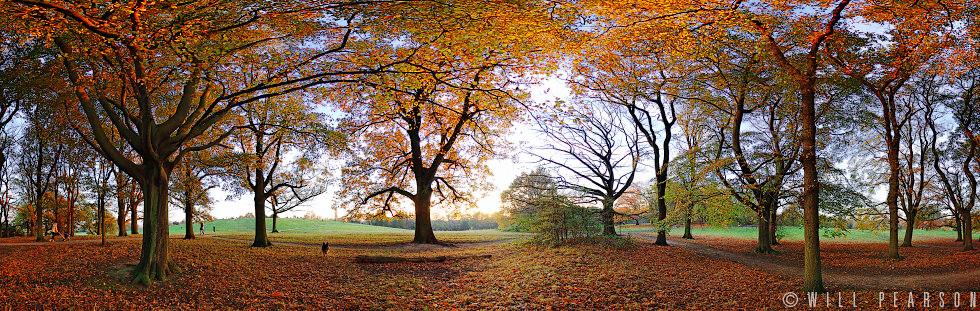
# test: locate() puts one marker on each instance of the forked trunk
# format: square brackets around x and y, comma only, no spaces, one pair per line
[155,262]
[423,222]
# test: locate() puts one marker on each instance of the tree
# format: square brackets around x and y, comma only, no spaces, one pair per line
[757,155]
[189,190]
[520,199]
[598,149]
[430,124]
[960,187]
[279,144]
[883,65]
[151,72]
[804,81]
[38,162]
[288,199]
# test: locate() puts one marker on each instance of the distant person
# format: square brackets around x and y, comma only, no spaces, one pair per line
[202,228]
[214,228]
[54,232]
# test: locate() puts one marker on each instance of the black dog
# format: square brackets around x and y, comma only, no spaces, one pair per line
[325,248]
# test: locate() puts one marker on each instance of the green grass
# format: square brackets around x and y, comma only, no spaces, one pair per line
[285,225]
[378,238]
[792,233]
[312,231]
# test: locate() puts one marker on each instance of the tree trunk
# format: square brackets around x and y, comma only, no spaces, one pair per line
[661,208]
[155,262]
[892,200]
[188,217]
[909,226]
[773,224]
[967,225]
[608,218]
[959,230]
[275,218]
[261,236]
[765,244]
[133,225]
[101,201]
[812,275]
[423,222]
[687,226]
[39,215]
[121,207]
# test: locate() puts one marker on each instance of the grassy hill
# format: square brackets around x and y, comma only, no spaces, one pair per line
[290,225]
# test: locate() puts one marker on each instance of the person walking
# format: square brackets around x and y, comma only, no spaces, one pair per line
[202,228]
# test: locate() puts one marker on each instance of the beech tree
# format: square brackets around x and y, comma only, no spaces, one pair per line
[919,32]
[804,79]
[278,147]
[149,70]
[426,128]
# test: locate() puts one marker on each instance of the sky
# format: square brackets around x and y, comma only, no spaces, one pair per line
[503,172]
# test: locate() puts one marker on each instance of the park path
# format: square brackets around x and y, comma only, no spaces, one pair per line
[961,280]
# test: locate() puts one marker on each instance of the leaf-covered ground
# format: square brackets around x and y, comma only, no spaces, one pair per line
[861,258]
[221,274]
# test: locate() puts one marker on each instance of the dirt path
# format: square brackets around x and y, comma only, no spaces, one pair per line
[399,246]
[962,280]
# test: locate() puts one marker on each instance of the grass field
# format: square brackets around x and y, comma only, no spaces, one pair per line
[312,231]
[792,233]
[290,225]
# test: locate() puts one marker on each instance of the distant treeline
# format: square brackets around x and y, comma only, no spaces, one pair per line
[475,222]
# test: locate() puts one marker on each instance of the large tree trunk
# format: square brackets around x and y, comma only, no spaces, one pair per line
[423,222]
[687,225]
[812,275]
[261,236]
[608,217]
[155,262]
[188,217]
[765,244]
[661,208]
[909,226]
[892,199]
[275,218]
